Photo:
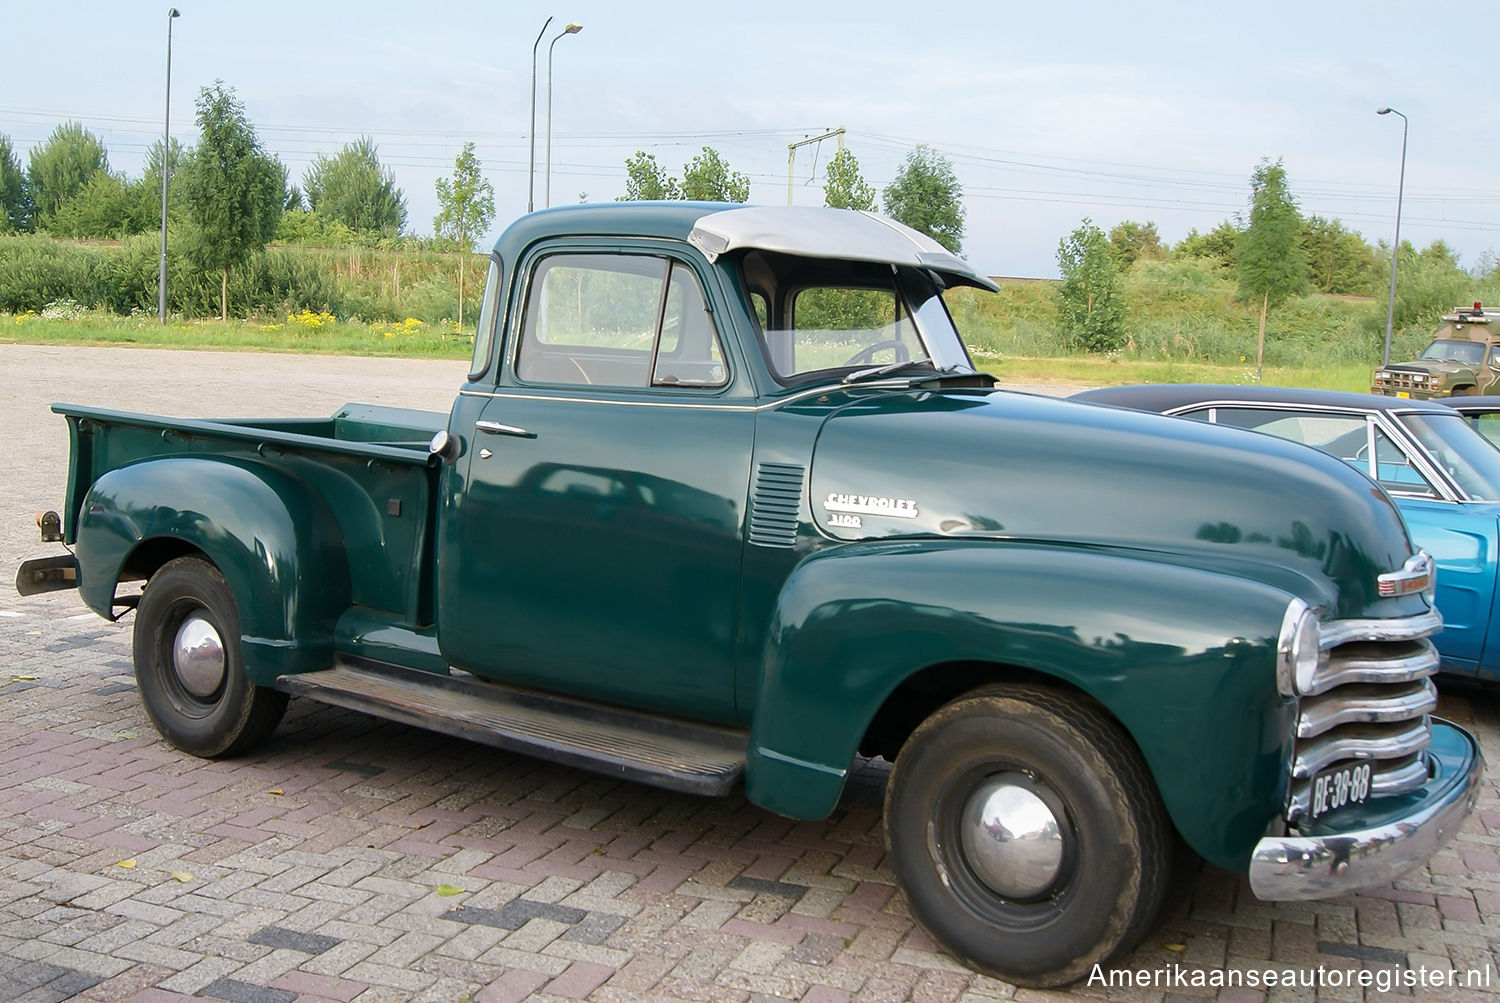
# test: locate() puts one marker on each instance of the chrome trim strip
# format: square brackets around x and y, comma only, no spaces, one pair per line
[899,384]
[1382,745]
[1402,779]
[1337,632]
[1300,868]
[1368,708]
[1402,669]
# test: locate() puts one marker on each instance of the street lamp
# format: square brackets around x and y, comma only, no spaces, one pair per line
[1390,306]
[166,168]
[573,28]
[531,170]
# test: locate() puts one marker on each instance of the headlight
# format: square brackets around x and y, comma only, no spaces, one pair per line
[1298,650]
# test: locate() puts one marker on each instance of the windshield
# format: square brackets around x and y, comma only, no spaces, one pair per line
[1471,461]
[1471,352]
[825,319]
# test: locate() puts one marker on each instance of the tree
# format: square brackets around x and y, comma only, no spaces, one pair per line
[355,190]
[647,181]
[466,208]
[1131,241]
[843,188]
[106,206]
[1430,282]
[926,196]
[1089,298]
[1338,259]
[708,178]
[233,190]
[15,202]
[1272,265]
[59,168]
[1217,245]
[148,189]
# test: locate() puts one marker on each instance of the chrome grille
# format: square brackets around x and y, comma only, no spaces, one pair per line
[1368,701]
[1390,381]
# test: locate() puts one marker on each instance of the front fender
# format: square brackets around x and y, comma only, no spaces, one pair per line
[272,538]
[1183,658]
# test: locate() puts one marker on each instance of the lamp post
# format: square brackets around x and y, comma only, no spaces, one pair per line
[166,169]
[573,28]
[531,169]
[1390,306]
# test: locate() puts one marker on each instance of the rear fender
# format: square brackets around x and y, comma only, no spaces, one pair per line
[1183,658]
[272,538]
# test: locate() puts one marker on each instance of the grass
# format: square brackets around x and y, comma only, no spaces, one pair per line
[304,332]
[320,334]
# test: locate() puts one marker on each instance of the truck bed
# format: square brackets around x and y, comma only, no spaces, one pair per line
[369,464]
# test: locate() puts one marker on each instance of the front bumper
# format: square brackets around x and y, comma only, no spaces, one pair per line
[1391,836]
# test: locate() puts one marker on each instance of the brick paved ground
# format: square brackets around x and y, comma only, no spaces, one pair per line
[351,859]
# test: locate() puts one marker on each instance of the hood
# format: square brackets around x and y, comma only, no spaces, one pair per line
[1014,467]
[1433,366]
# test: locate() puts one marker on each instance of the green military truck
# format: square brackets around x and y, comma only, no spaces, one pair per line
[724,501]
[1463,360]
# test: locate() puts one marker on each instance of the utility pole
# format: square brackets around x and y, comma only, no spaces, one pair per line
[791,154]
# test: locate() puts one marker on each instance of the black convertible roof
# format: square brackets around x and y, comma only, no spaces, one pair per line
[1473,405]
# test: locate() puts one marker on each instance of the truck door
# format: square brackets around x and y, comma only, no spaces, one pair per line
[605,500]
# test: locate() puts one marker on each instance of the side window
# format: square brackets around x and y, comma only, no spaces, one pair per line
[688,352]
[617,320]
[1488,425]
[484,333]
[1347,437]
[1394,470]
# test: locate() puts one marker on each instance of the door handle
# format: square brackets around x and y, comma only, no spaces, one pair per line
[495,428]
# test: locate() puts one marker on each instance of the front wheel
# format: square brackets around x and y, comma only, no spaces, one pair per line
[188,664]
[1462,392]
[1027,834]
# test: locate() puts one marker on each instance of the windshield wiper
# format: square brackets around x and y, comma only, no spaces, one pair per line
[864,375]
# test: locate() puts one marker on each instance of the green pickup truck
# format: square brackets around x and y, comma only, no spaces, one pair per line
[724,501]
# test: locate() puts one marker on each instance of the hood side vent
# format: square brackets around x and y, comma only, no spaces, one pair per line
[775,503]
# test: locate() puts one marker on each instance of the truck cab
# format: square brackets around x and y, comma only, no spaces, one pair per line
[724,501]
[1462,360]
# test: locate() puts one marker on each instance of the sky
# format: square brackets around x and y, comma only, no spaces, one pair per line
[1152,111]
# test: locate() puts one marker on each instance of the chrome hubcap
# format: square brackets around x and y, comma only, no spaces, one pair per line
[1011,839]
[198,656]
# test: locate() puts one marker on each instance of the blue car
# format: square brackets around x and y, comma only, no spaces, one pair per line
[1443,475]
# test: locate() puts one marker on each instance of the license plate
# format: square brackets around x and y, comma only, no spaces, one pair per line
[1340,787]
[1402,393]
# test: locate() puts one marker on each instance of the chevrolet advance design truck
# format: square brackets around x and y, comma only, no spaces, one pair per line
[724,501]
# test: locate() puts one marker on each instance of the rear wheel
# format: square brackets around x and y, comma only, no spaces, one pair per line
[188,664]
[1027,834]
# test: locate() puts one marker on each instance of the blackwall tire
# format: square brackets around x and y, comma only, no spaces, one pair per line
[188,665]
[967,813]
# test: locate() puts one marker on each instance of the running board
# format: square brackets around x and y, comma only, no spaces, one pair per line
[647,748]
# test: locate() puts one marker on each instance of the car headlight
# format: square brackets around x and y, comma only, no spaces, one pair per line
[1299,650]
